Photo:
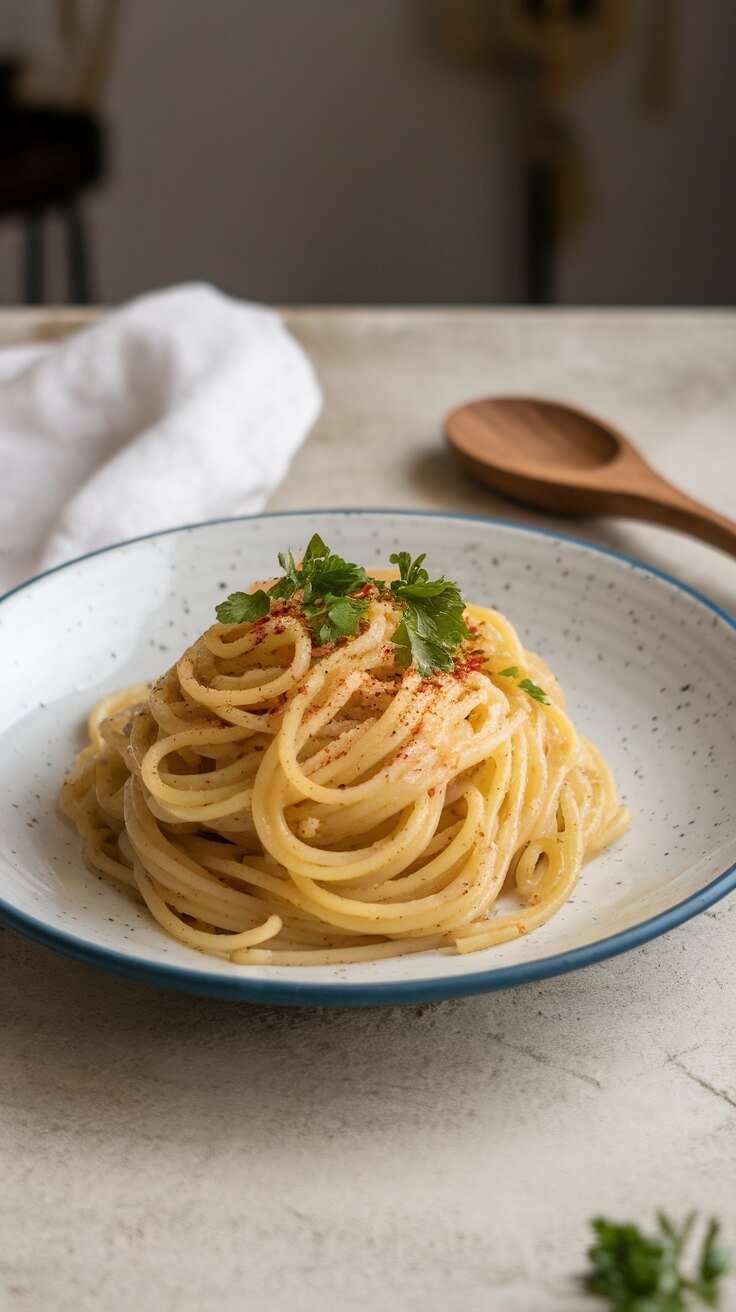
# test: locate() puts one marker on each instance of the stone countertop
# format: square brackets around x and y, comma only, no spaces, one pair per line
[165,1152]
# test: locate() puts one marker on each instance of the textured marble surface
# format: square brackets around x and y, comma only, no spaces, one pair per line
[164,1152]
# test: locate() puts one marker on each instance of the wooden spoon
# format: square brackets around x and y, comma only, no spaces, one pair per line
[562,459]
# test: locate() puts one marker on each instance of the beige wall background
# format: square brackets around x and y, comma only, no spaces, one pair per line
[322,151]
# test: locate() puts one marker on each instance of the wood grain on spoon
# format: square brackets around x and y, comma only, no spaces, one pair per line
[561,459]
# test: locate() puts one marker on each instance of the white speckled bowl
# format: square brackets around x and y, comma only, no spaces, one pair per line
[647,666]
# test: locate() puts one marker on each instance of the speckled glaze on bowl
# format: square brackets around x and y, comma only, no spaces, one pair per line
[647,666]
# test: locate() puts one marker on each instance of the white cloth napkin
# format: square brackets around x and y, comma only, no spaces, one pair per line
[181,405]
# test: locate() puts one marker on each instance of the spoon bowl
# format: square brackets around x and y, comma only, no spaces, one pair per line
[556,457]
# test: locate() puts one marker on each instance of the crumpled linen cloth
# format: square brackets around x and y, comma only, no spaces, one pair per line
[182,405]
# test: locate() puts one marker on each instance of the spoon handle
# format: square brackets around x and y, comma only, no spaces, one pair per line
[665,504]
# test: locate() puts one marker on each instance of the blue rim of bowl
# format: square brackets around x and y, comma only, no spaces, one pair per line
[366,994]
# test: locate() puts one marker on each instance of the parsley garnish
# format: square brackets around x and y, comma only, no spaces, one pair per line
[642,1273]
[324,579]
[429,632]
[242,607]
[432,626]
[510,673]
[335,617]
[321,574]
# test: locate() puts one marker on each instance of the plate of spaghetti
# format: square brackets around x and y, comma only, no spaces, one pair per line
[360,757]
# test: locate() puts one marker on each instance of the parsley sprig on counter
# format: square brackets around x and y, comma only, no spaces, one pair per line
[429,632]
[643,1273]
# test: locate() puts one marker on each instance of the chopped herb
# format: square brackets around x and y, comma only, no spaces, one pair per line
[534,691]
[642,1273]
[526,685]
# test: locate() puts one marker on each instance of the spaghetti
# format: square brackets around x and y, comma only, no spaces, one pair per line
[276,798]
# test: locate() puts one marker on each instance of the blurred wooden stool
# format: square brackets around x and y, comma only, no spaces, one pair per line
[48,158]
[52,141]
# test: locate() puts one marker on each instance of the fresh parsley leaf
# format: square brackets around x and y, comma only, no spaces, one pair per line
[534,691]
[316,550]
[320,574]
[333,617]
[331,575]
[510,673]
[415,581]
[411,645]
[677,1236]
[402,642]
[642,1273]
[287,586]
[345,614]
[240,607]
[432,627]
[712,1265]
[410,573]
